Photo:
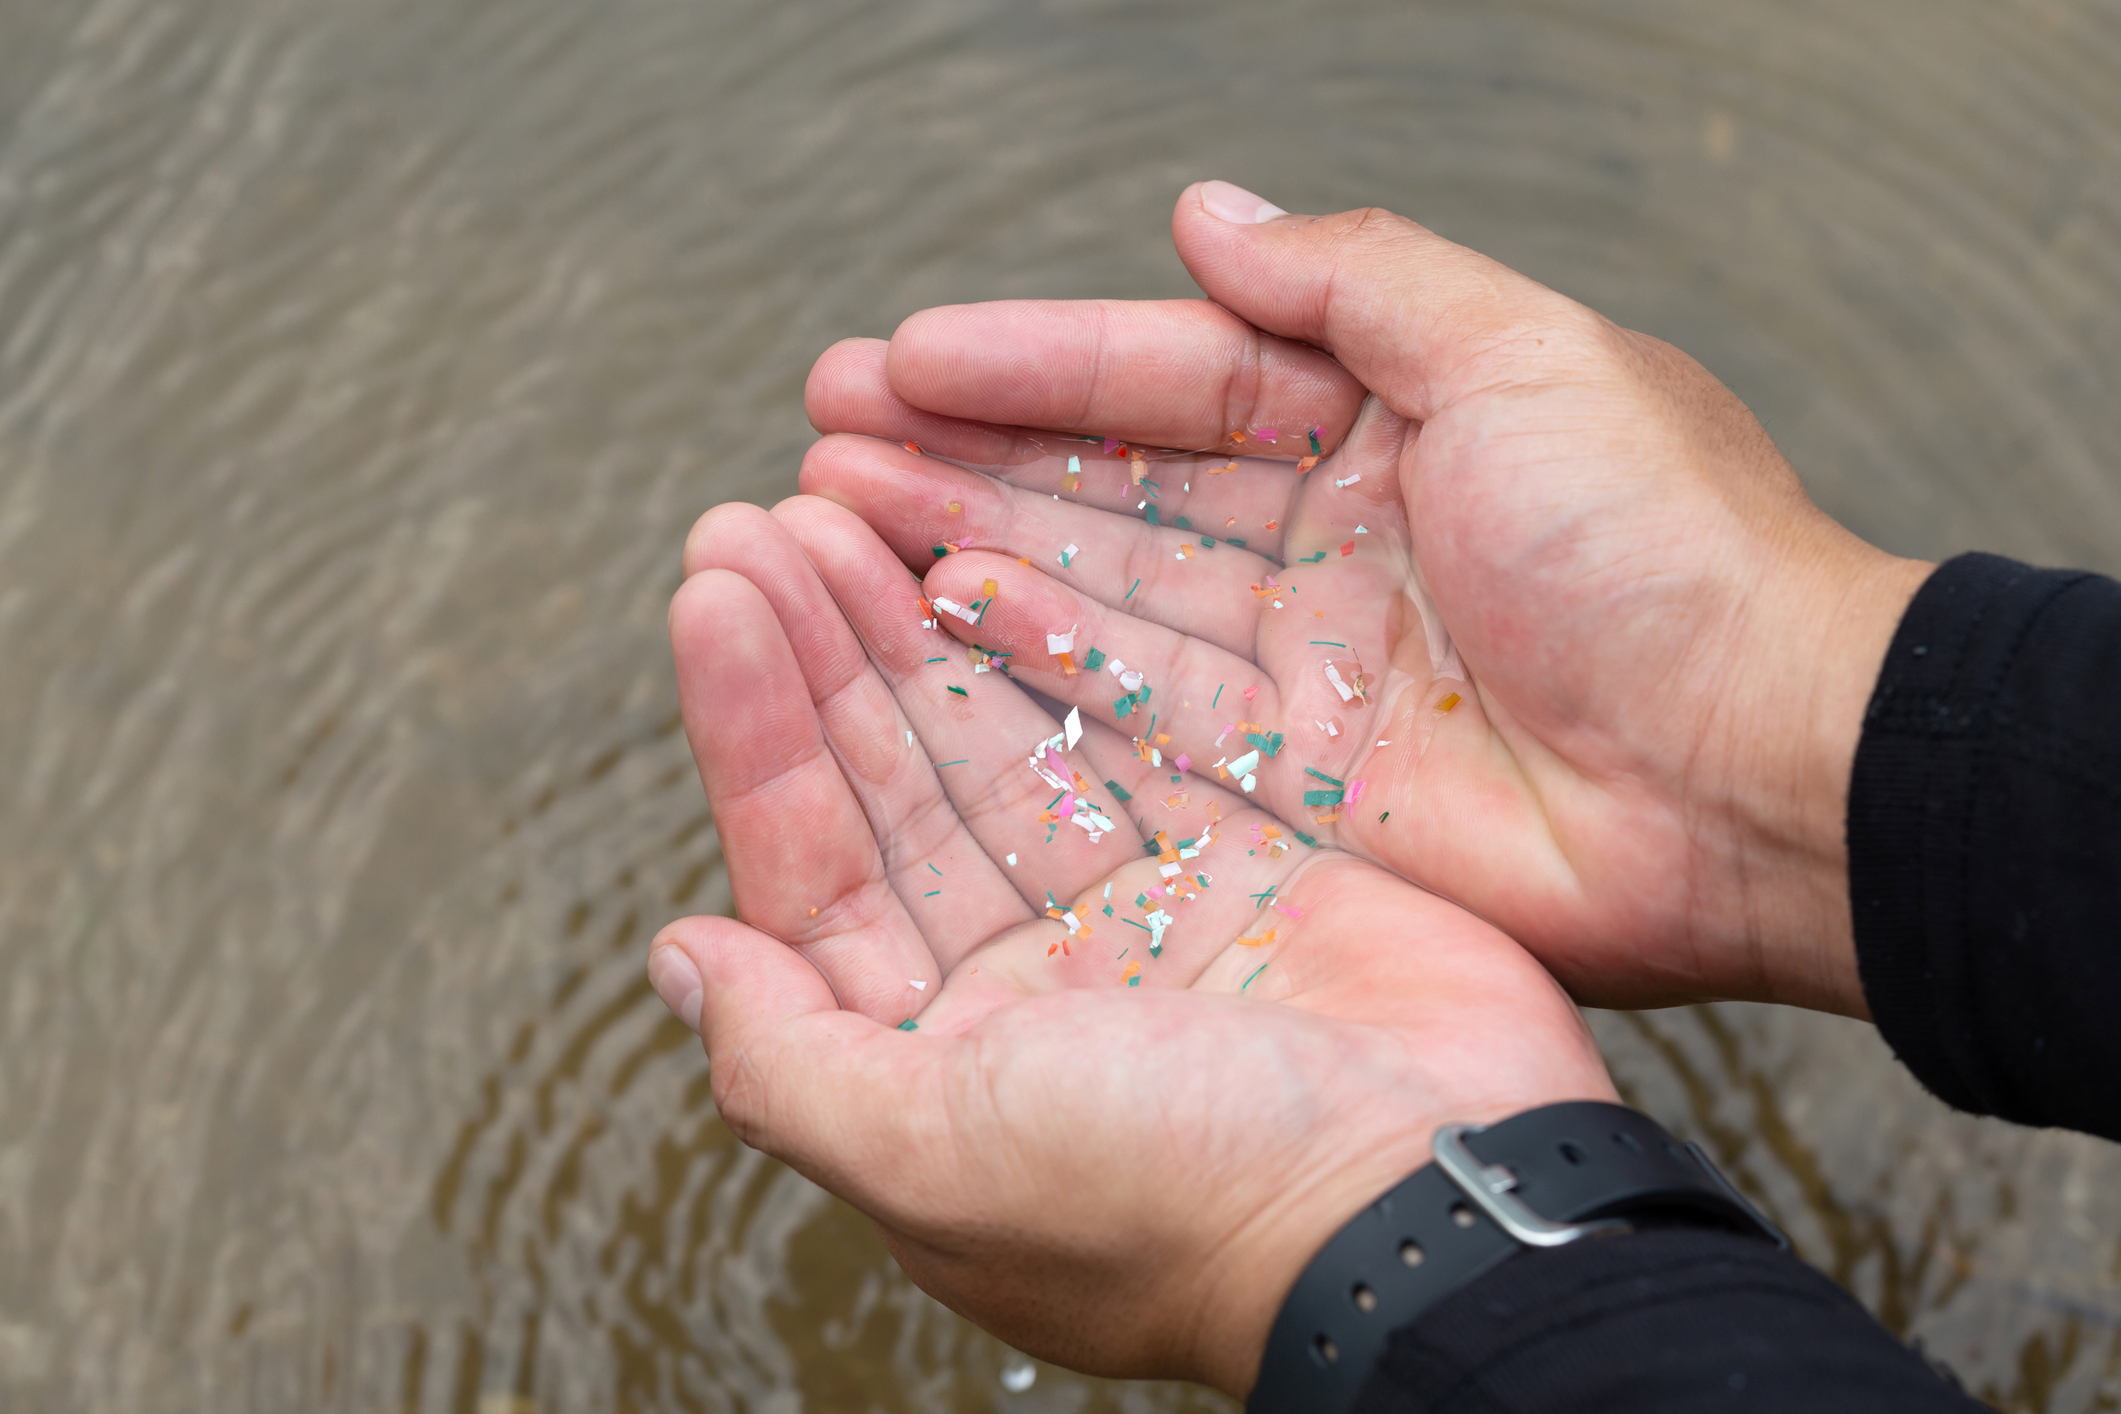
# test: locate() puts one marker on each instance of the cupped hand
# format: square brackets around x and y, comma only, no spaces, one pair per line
[1113,1138]
[1630,749]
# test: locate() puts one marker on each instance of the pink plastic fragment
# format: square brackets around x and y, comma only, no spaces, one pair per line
[1268,434]
[1067,807]
[1250,693]
[1111,445]
[1292,912]
[1184,762]
[1355,791]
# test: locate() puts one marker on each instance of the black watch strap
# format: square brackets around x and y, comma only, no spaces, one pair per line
[1540,1179]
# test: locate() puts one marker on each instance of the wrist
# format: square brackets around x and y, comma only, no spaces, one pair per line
[1790,774]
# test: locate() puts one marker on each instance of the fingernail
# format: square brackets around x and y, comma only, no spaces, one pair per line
[1234,203]
[677,982]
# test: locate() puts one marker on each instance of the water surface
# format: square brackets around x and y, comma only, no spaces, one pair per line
[361,366]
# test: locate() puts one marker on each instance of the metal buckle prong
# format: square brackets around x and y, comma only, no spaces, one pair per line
[1490,1187]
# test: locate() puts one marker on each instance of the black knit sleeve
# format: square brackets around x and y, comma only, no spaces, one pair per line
[1670,1322]
[1984,837]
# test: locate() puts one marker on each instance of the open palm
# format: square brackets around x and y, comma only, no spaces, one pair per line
[1630,749]
[1113,1135]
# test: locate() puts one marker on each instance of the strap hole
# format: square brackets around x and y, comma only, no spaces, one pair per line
[1325,1348]
[1364,1298]
[1410,1253]
[1571,1153]
[1461,1215]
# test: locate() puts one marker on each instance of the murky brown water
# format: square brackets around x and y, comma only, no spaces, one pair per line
[361,366]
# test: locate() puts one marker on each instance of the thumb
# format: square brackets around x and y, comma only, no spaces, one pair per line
[831,1093]
[1417,319]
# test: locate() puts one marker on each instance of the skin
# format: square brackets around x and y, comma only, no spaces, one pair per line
[1122,1179]
[1661,653]
[1661,648]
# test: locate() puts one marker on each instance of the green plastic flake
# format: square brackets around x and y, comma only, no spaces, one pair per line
[960,692]
[1153,519]
[1132,924]
[1181,523]
[1184,844]
[1269,745]
[1049,805]
[1121,706]
[1255,972]
[1314,442]
[1307,839]
[1094,659]
[1142,900]
[1135,980]
[1326,643]
[1130,593]
[1384,817]
[1119,792]
[908,1026]
[1323,797]
[1108,910]
[938,660]
[1321,775]
[1218,694]
[966,762]
[931,893]
[1233,540]
[1312,559]
[1207,542]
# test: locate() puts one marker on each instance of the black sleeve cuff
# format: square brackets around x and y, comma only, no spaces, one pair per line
[1984,839]
[1652,1323]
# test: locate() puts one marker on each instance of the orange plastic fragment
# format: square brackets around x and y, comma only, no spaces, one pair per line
[1348,549]
[913,447]
[1067,664]
[990,588]
[1305,465]
[1447,702]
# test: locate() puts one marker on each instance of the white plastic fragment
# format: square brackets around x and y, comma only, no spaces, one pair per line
[1158,921]
[1058,642]
[1245,764]
[1075,468]
[1333,676]
[1362,530]
[1012,861]
[917,985]
[1074,924]
[1116,667]
[1384,743]
[909,738]
[951,606]
[1349,481]
[1250,783]
[1073,727]
[1067,556]
[1132,681]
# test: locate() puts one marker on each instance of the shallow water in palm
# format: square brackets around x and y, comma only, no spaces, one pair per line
[361,367]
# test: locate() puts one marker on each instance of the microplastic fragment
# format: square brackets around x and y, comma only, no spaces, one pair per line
[1312,559]
[1011,860]
[1333,676]
[1111,445]
[1130,593]
[1250,784]
[1245,764]
[1326,643]
[909,738]
[1347,549]
[931,893]
[1184,762]
[1073,726]
[1323,797]
[1248,981]
[940,550]
[1075,466]
[938,660]
[1132,681]
[1355,791]
[1321,775]
[1119,792]
[1268,434]
[1306,464]
[957,610]
[1362,530]
[917,985]
[1094,659]
[966,762]
[960,692]
[1306,839]
[1447,702]
[1061,642]
[1150,513]
[1385,742]
[1314,439]
[1218,695]
[1349,481]
[907,1026]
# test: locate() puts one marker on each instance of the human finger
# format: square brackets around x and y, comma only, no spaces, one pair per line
[803,864]
[1173,373]
[1050,826]
[956,894]
[1411,316]
[918,505]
